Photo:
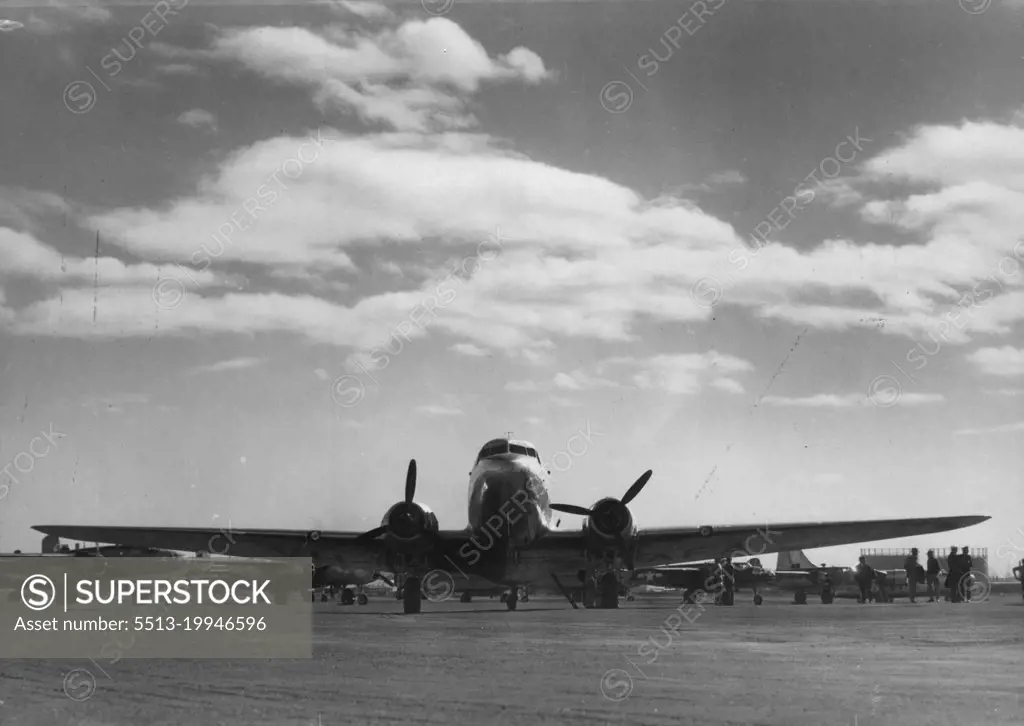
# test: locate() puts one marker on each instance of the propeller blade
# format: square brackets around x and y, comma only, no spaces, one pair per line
[571,509]
[637,487]
[372,534]
[410,482]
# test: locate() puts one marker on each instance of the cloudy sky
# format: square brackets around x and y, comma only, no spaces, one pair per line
[253,259]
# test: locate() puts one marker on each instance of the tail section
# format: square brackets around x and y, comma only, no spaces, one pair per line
[794,560]
[51,544]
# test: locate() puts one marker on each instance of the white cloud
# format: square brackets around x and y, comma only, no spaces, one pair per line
[679,373]
[1002,429]
[848,400]
[22,255]
[1006,361]
[364,8]
[178,69]
[683,373]
[61,16]
[470,350]
[232,364]
[8,26]
[583,257]
[1005,391]
[730,177]
[198,118]
[438,410]
[728,385]
[23,207]
[400,77]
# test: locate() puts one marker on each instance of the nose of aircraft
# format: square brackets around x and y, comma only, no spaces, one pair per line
[504,496]
[503,480]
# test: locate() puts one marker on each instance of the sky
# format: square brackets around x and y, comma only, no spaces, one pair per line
[255,258]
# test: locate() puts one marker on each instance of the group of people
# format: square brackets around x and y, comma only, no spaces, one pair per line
[957,583]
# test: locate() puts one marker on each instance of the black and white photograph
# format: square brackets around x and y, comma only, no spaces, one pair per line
[511,362]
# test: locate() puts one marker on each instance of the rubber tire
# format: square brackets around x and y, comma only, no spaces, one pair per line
[800,598]
[465,597]
[362,599]
[758,599]
[512,599]
[347,598]
[411,602]
[826,599]
[609,591]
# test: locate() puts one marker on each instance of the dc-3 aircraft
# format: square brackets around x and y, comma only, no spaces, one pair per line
[510,540]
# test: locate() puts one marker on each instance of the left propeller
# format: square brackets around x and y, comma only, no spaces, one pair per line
[410,494]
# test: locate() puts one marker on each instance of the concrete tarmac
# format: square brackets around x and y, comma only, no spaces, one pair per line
[778,664]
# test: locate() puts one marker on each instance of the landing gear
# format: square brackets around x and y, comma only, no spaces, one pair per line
[630,598]
[758,599]
[827,596]
[504,597]
[411,602]
[609,589]
[512,598]
[590,593]
[347,598]
[800,598]
[362,599]
[727,597]
[465,597]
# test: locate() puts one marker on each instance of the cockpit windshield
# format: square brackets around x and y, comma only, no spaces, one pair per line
[493,448]
[502,446]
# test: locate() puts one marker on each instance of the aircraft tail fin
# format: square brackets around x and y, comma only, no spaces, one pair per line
[794,560]
[51,544]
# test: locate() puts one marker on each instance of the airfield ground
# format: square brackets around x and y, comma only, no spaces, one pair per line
[778,664]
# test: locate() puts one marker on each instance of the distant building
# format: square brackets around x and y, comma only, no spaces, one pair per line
[892,559]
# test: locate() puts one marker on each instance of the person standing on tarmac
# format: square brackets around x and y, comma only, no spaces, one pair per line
[966,565]
[864,576]
[910,566]
[932,575]
[953,574]
[728,580]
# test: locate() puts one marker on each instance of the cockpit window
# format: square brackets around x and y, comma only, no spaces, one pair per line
[517,449]
[493,450]
[533,453]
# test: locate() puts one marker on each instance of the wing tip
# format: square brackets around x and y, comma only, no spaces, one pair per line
[972,519]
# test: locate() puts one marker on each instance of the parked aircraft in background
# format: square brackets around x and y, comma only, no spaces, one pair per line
[700,576]
[797,574]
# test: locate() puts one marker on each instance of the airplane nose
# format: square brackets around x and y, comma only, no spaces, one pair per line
[505,482]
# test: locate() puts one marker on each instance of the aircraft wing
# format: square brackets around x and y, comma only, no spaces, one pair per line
[329,547]
[679,544]
[558,551]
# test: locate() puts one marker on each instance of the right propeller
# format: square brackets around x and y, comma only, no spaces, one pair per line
[629,496]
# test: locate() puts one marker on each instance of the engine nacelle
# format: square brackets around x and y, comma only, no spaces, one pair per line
[610,529]
[409,525]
